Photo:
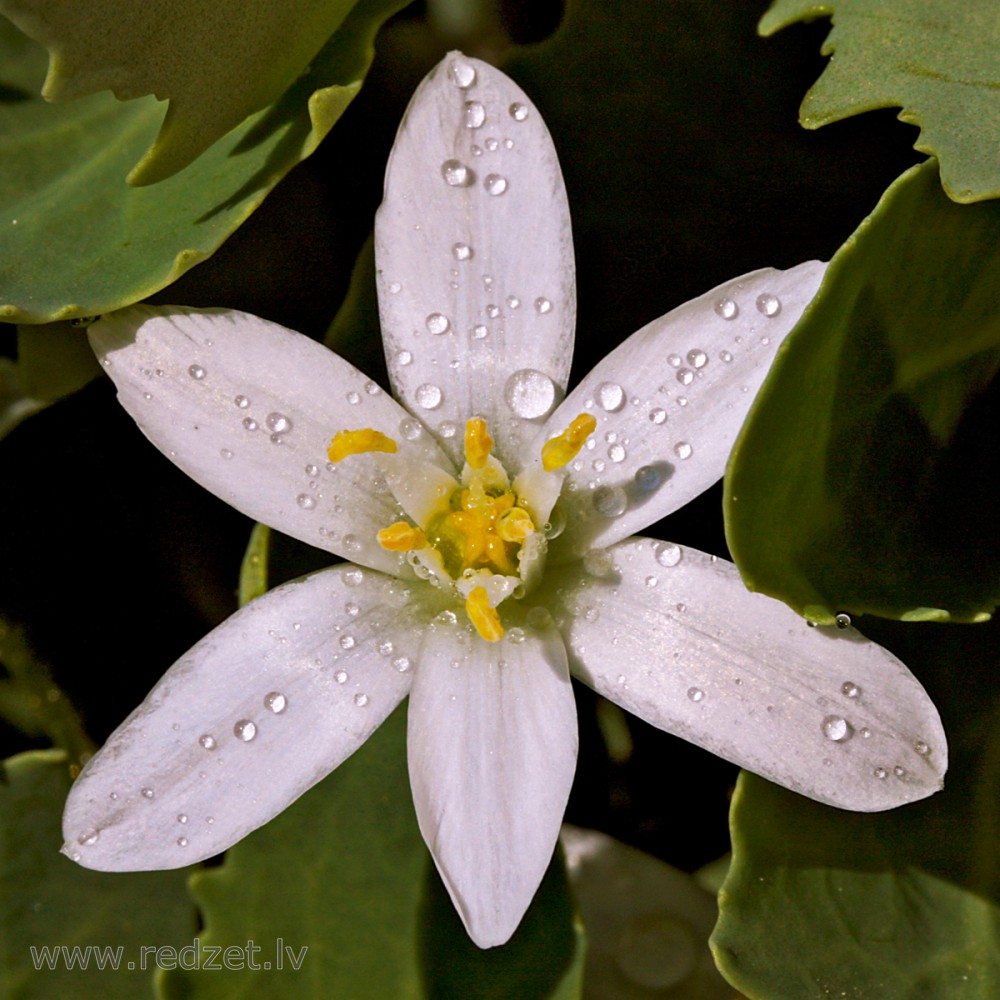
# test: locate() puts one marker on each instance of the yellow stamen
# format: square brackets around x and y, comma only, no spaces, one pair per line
[563,448]
[358,442]
[478,443]
[515,525]
[483,617]
[402,537]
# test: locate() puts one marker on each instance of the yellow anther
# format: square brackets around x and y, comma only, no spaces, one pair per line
[478,443]
[515,525]
[402,537]
[563,448]
[358,442]
[483,617]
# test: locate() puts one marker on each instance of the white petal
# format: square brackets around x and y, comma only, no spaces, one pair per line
[248,408]
[157,797]
[493,272]
[669,404]
[673,636]
[492,750]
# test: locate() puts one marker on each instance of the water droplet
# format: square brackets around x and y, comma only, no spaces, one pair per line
[402,664]
[837,729]
[385,647]
[652,581]
[361,700]
[648,478]
[696,694]
[657,416]
[438,323]
[395,288]
[598,562]
[276,702]
[89,838]
[542,305]
[880,773]
[610,396]
[340,676]
[278,423]
[617,453]
[726,356]
[610,501]
[900,772]
[347,642]
[685,376]
[312,470]
[493,311]
[475,114]
[353,577]
[697,358]
[513,302]
[492,144]
[518,112]
[226,453]
[250,424]
[196,372]
[850,690]
[683,450]
[495,184]
[428,396]
[353,398]
[148,793]
[456,173]
[208,742]
[555,525]
[922,748]
[182,817]
[352,543]
[529,393]
[462,74]
[305,501]
[242,402]
[461,251]
[727,309]
[245,730]
[865,732]
[768,305]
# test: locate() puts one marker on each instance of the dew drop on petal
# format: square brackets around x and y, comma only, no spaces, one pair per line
[922,748]
[148,793]
[518,111]
[340,676]
[837,729]
[696,694]
[461,74]
[697,358]
[402,664]
[685,376]
[196,372]
[182,817]
[843,620]
[395,288]
[250,424]
[305,501]
[456,173]
[461,251]
[725,356]
[648,478]
[542,305]
[617,453]
[475,114]
[447,429]
[683,450]
[667,554]
[353,577]
[242,402]
[727,309]
[182,841]
[657,416]
[207,742]
[437,323]
[428,396]
[610,396]
[479,332]
[610,501]
[347,642]
[529,393]
[495,184]
[245,730]
[598,562]
[768,305]
[276,702]
[880,773]
[361,700]
[404,358]
[410,429]
[278,423]
[226,453]
[850,690]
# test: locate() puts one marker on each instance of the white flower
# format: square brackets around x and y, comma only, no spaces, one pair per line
[481,573]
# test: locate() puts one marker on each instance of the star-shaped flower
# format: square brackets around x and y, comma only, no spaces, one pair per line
[489,527]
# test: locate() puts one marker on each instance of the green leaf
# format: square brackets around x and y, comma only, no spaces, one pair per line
[216,61]
[49,902]
[76,241]
[343,873]
[902,904]
[864,478]
[937,60]
[253,569]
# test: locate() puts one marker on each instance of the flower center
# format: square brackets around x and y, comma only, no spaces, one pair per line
[476,539]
